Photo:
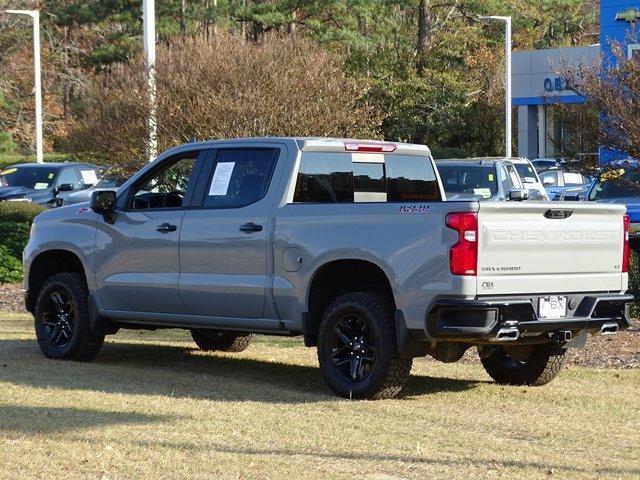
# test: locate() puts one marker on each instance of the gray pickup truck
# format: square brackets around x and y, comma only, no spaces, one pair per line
[349,243]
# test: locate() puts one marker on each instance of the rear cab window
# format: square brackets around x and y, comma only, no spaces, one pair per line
[336,177]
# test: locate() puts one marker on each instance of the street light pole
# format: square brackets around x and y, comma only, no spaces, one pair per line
[507,49]
[35,15]
[149,42]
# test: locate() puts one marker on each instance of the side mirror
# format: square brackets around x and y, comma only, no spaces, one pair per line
[66,187]
[103,202]
[519,194]
[548,181]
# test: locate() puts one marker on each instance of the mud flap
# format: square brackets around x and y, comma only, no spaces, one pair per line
[408,347]
[97,323]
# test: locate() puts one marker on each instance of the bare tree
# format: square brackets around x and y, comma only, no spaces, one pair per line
[228,89]
[614,91]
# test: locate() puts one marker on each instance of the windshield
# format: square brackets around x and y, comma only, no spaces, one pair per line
[617,183]
[526,172]
[470,179]
[110,182]
[37,178]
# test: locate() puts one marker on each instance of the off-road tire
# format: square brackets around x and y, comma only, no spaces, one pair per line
[389,373]
[83,345]
[539,368]
[221,340]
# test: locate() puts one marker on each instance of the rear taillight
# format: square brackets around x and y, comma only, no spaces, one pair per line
[626,253]
[463,256]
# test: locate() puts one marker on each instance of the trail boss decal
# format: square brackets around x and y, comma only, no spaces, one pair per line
[413,209]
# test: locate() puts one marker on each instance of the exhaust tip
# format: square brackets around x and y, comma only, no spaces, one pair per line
[609,329]
[508,334]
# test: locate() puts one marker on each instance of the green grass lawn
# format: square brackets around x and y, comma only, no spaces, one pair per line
[152,407]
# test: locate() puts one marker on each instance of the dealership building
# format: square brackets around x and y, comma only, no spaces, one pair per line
[536,86]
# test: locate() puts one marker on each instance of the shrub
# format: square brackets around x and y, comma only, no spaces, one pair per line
[10,267]
[223,89]
[15,223]
[19,212]
[6,143]
[14,236]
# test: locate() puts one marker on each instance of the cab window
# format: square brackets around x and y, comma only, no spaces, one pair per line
[167,186]
[240,177]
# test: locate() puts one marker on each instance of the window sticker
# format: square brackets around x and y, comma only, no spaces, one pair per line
[572,178]
[491,177]
[50,176]
[484,192]
[40,186]
[221,178]
[8,171]
[89,177]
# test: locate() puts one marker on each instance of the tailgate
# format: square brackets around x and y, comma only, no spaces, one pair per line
[539,247]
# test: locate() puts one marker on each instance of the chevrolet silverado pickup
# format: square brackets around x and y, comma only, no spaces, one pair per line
[350,244]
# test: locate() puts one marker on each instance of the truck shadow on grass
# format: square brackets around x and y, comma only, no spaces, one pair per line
[543,467]
[37,420]
[167,370]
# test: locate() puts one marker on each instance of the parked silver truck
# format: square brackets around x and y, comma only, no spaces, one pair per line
[345,242]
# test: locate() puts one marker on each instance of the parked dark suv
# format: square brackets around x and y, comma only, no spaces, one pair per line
[46,184]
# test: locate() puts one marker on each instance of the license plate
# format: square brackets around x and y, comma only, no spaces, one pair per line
[552,307]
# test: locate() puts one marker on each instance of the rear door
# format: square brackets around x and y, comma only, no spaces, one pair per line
[527,248]
[224,240]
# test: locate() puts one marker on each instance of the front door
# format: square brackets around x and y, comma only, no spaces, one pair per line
[223,245]
[137,257]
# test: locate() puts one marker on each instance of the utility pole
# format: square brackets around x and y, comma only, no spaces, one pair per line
[35,15]
[149,42]
[507,49]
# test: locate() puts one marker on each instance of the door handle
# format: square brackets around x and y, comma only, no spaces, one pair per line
[166,228]
[250,228]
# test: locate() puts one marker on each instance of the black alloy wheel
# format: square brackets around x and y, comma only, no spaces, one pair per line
[58,318]
[354,348]
[358,348]
[61,319]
